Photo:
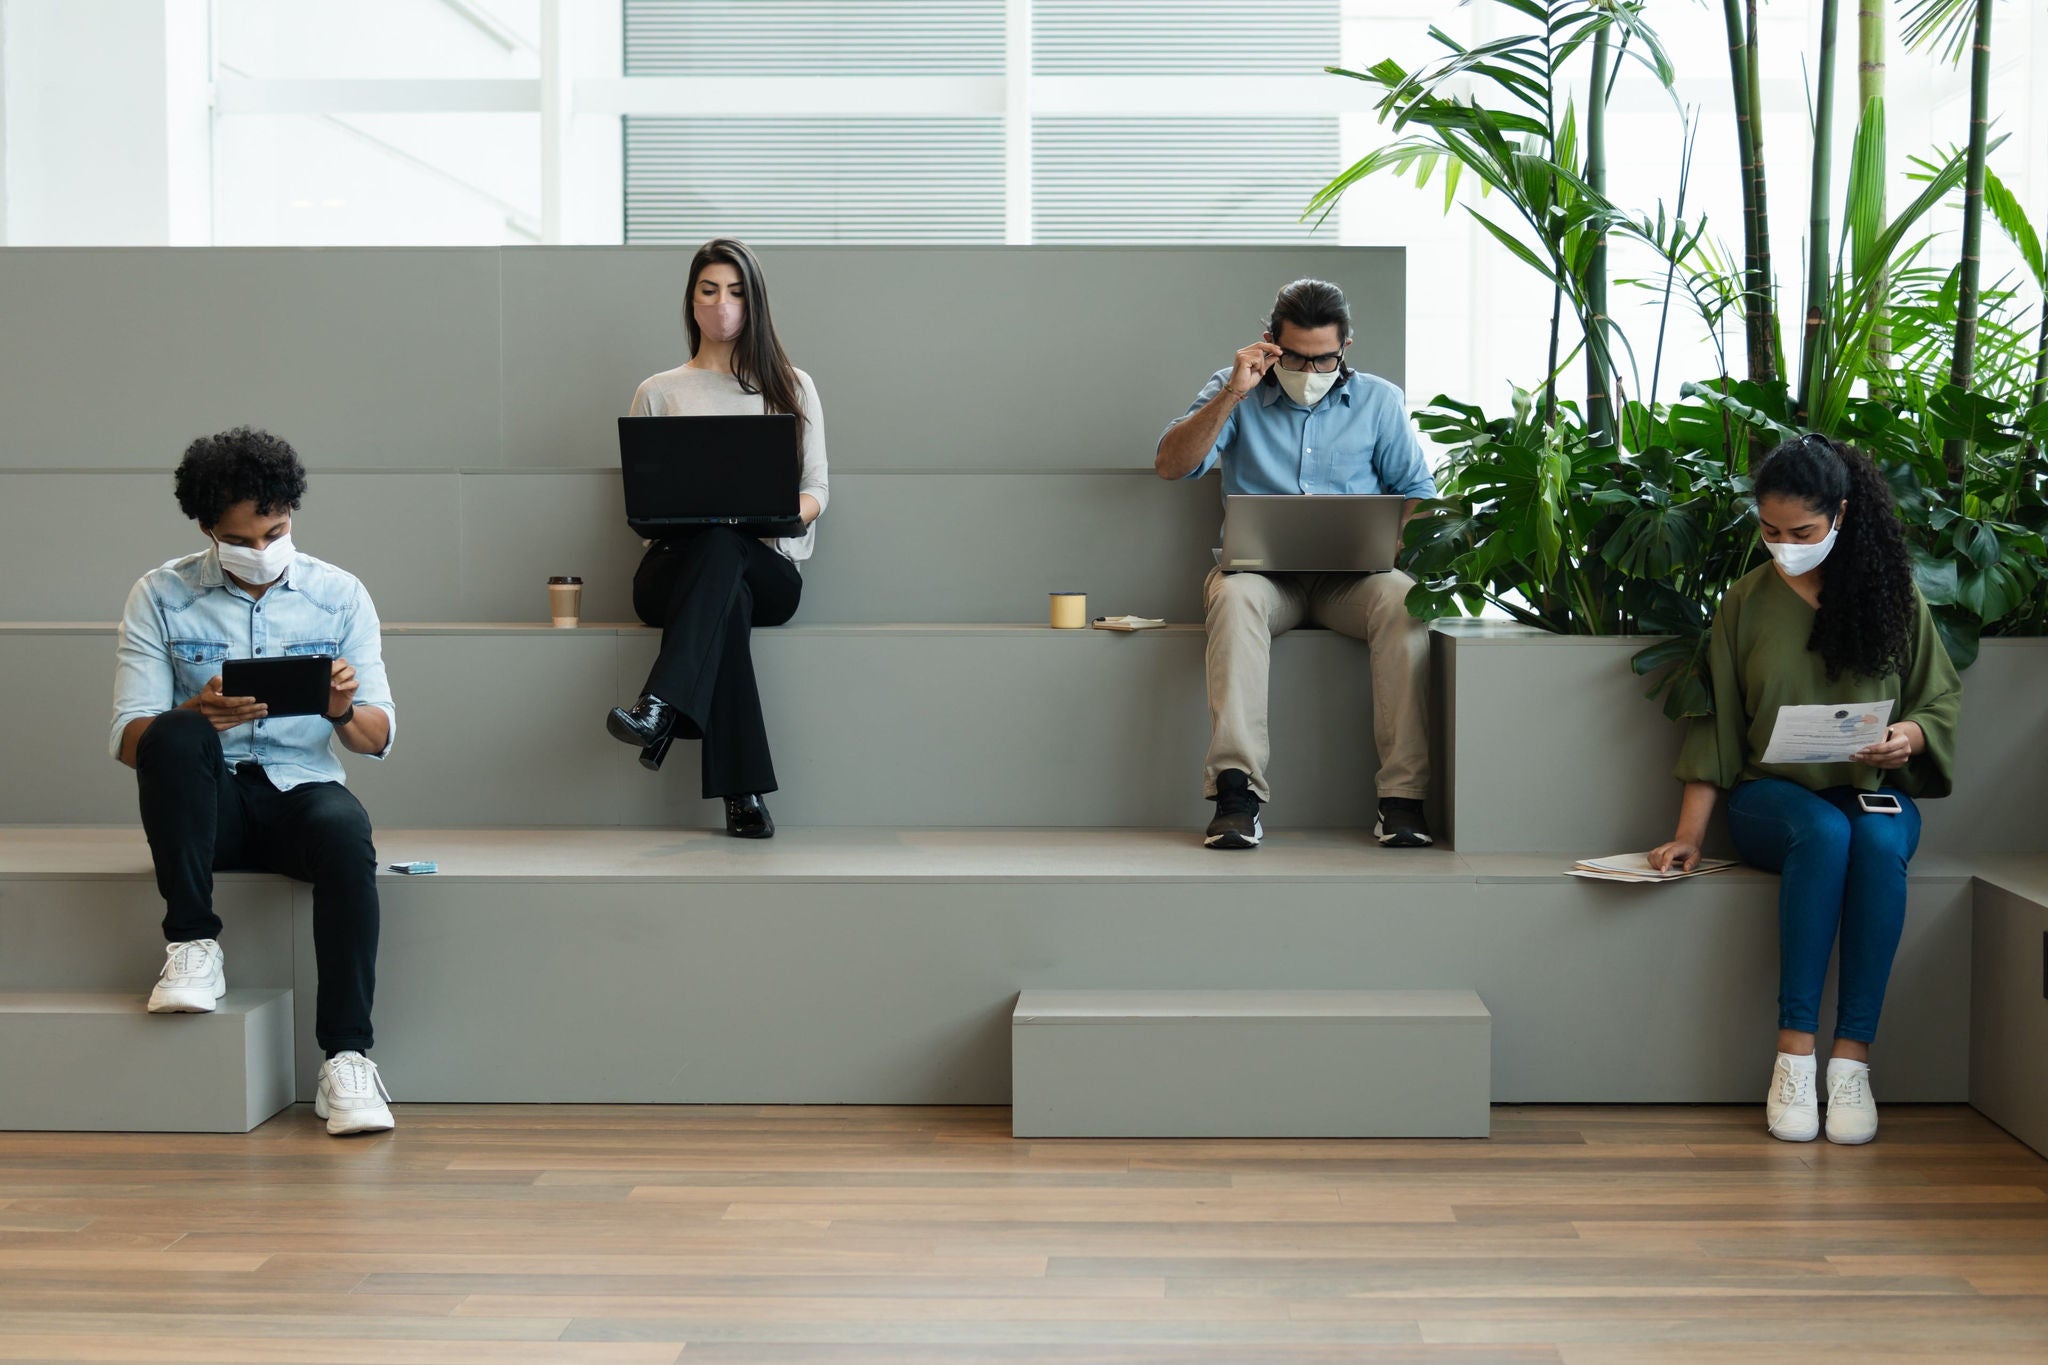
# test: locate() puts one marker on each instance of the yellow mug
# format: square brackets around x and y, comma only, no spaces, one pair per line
[1069,610]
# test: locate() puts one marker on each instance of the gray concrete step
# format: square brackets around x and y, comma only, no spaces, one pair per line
[883,965]
[98,1061]
[1545,742]
[1249,1063]
[480,545]
[489,357]
[871,725]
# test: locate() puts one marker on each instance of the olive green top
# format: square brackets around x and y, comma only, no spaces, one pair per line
[1760,662]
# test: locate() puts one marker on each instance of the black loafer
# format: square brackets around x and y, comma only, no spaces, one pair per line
[648,725]
[746,817]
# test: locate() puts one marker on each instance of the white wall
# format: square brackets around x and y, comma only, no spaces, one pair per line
[106,126]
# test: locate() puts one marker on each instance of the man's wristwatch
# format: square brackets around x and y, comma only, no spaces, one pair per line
[344,718]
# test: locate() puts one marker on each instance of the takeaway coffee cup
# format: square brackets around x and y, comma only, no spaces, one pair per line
[565,599]
[1069,610]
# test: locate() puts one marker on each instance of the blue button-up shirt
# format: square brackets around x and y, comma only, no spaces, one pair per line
[1356,440]
[185,618]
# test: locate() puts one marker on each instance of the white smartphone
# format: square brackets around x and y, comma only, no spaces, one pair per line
[1879,803]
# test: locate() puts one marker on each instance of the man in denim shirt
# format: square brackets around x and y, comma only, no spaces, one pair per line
[223,785]
[1288,416]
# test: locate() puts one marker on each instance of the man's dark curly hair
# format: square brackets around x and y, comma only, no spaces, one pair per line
[1868,609]
[243,465]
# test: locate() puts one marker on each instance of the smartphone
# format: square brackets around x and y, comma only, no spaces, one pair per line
[1879,803]
[295,685]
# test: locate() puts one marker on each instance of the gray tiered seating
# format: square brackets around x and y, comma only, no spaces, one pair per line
[881,966]
[974,805]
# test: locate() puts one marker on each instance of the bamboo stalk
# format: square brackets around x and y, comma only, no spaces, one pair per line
[1767,311]
[1599,394]
[1820,227]
[1870,77]
[1963,367]
[1755,328]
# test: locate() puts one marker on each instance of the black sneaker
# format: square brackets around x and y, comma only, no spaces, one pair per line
[1237,813]
[1402,823]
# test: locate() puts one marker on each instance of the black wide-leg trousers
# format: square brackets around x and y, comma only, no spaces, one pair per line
[200,818]
[707,589]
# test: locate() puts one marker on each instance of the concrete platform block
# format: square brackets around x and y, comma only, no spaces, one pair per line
[98,1061]
[1250,1063]
[2009,1002]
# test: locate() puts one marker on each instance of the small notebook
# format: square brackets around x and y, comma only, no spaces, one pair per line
[1635,867]
[1126,623]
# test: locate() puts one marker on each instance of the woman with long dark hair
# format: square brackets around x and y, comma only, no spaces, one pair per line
[708,587]
[1834,618]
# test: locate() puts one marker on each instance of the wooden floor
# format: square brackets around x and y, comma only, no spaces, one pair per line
[908,1236]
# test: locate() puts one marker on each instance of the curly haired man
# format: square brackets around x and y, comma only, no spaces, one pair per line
[224,784]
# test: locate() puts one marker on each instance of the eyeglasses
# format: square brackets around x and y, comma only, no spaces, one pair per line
[1320,364]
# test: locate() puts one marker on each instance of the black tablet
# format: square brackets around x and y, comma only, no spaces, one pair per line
[292,686]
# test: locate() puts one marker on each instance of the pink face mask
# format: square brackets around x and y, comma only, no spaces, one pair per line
[721,319]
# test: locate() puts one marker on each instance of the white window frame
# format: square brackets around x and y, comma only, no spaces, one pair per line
[1017,96]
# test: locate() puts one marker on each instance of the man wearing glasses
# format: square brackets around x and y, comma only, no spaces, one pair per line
[1289,416]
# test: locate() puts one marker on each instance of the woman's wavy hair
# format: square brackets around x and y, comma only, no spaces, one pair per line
[758,360]
[1867,605]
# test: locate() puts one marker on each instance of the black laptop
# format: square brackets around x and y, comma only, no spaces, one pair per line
[681,472]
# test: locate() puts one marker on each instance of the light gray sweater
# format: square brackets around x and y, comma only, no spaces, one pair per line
[684,392]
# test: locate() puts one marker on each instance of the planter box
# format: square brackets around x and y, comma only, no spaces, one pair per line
[1548,744]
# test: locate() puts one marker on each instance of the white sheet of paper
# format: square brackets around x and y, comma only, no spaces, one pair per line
[1827,734]
[1638,865]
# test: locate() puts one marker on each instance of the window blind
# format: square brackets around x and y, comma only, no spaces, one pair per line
[814,37]
[1183,37]
[814,180]
[1163,180]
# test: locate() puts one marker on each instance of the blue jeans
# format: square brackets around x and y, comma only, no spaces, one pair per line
[1838,865]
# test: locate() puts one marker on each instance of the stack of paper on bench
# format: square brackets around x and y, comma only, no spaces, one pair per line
[1635,867]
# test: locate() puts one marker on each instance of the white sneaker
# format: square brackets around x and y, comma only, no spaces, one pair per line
[1852,1109]
[352,1097]
[1791,1109]
[194,978]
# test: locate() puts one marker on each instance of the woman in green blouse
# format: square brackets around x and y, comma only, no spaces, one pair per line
[1834,618]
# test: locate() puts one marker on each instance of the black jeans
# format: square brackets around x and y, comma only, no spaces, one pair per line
[707,589]
[201,818]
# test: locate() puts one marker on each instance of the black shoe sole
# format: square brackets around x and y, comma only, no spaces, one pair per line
[624,731]
[1231,839]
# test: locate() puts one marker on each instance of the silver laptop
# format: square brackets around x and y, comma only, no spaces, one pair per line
[1316,533]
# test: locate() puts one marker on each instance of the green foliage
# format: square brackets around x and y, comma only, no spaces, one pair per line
[1502,114]
[1642,530]
[1568,535]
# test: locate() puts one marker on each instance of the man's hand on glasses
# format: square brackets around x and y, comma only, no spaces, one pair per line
[1251,365]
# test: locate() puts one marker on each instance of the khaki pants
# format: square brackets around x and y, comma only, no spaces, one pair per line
[1245,612]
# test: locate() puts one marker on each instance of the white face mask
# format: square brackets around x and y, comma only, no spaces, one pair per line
[1796,560]
[1305,387]
[257,568]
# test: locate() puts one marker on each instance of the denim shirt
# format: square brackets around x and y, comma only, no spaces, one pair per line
[1356,440]
[185,618]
